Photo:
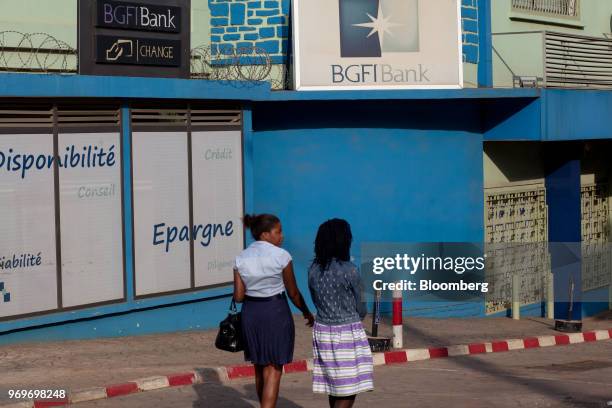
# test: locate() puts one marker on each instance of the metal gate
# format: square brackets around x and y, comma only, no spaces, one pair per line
[596,254]
[516,231]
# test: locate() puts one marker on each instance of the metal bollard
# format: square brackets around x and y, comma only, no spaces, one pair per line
[376,313]
[378,344]
[550,296]
[516,298]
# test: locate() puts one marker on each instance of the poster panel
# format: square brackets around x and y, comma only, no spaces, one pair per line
[217,204]
[161,212]
[90,218]
[28,269]
[377,44]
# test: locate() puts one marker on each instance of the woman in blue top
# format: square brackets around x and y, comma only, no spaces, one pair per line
[343,363]
[262,274]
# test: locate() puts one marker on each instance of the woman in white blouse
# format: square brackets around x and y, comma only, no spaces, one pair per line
[263,279]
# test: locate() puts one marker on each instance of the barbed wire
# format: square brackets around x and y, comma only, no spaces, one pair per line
[39,52]
[280,77]
[251,64]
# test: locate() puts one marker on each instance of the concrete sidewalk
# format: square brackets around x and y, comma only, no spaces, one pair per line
[82,364]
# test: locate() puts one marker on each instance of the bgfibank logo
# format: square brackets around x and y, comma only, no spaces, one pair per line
[375,29]
[370,28]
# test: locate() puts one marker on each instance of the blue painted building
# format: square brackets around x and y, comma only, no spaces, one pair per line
[399,165]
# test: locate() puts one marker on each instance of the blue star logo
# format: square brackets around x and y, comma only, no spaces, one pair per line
[370,28]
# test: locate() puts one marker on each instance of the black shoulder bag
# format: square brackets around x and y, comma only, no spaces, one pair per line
[229,337]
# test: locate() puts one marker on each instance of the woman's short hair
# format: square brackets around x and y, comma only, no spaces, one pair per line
[333,240]
[260,223]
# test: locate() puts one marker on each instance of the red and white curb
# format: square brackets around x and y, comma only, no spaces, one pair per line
[115,390]
[405,356]
[246,371]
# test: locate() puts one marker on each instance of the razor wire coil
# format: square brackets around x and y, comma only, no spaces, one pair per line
[35,52]
[250,64]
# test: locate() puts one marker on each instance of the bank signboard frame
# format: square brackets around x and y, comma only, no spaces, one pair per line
[146,38]
[343,49]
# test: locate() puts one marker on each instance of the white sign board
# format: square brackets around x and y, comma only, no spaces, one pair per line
[90,218]
[28,269]
[217,204]
[161,212]
[377,44]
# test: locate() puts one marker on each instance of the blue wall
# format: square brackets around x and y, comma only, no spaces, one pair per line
[427,139]
[193,315]
[397,170]
[595,301]
[394,170]
[557,115]
[576,115]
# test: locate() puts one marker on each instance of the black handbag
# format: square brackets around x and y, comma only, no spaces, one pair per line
[229,337]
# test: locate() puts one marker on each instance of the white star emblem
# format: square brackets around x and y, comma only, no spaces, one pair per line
[380,25]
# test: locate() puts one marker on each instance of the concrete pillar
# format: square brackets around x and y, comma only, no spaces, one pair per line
[564,229]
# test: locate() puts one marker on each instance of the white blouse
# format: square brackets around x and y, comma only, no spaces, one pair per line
[261,268]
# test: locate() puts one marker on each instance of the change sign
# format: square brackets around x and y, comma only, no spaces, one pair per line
[138,51]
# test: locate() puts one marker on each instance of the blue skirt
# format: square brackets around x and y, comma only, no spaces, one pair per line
[268,330]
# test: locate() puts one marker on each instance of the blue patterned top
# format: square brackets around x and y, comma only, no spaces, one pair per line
[336,293]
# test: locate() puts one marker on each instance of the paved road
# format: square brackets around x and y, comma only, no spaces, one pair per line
[571,376]
[79,364]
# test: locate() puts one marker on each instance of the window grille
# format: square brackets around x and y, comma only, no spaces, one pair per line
[567,8]
[516,229]
[596,256]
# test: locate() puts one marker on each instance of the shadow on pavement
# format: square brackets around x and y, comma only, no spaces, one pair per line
[538,321]
[604,316]
[213,393]
[541,386]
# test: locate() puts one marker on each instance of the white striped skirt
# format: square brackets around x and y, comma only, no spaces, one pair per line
[342,360]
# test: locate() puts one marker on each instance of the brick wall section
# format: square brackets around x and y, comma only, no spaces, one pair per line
[247,23]
[265,24]
[469,25]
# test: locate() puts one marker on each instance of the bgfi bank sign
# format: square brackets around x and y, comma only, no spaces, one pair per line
[377,44]
[131,16]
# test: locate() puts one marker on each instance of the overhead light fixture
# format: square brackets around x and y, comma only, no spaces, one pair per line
[527,81]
